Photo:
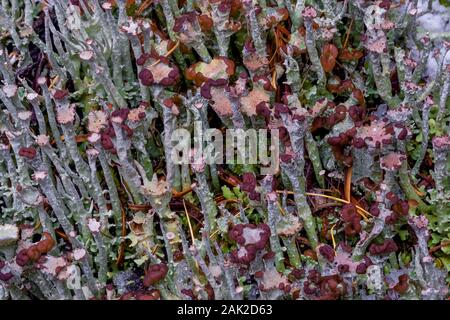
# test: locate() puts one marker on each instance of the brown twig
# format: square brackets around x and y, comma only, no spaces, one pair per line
[348,184]
[444,243]
[143,6]
[348,33]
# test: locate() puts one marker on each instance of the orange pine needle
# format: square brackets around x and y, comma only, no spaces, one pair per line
[180,194]
[360,210]
[283,213]
[167,54]
[190,228]
[53,82]
[332,236]
[38,224]
[418,192]
[274,82]
[143,6]
[284,31]
[348,34]
[62,234]
[81,138]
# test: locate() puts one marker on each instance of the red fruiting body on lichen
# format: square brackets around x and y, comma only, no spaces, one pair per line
[205,90]
[361,268]
[350,215]
[109,131]
[401,207]
[49,242]
[374,210]
[146,77]
[267,85]
[345,247]
[269,255]
[263,110]
[121,113]
[29,153]
[60,94]
[403,134]
[325,288]
[385,4]
[142,59]
[128,131]
[328,57]
[35,251]
[367,261]
[285,157]
[155,273]
[186,18]
[280,108]
[6,276]
[392,197]
[348,212]
[298,273]
[106,141]
[206,23]
[391,219]
[309,288]
[248,182]
[253,195]
[353,227]
[327,251]
[402,286]
[343,268]
[331,288]
[248,46]
[22,257]
[314,276]
[386,247]
[250,238]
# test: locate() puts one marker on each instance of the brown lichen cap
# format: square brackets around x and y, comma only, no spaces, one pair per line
[155,273]
[250,239]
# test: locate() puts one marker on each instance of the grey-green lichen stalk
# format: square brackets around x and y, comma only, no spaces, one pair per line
[94,204]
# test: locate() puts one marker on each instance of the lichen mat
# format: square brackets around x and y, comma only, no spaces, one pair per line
[94,205]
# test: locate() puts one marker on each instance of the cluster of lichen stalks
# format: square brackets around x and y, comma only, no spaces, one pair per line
[93,206]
